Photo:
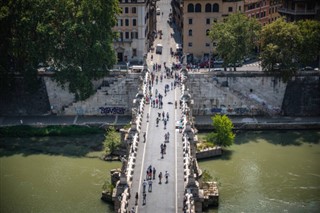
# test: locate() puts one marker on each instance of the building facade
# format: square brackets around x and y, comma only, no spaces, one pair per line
[198,16]
[258,9]
[295,10]
[135,27]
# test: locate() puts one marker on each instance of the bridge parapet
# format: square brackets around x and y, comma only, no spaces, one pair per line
[122,193]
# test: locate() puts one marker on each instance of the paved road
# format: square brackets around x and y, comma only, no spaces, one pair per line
[165,197]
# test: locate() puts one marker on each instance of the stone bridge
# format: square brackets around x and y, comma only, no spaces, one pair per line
[143,140]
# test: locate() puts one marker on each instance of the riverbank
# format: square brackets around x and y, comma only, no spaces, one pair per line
[201,122]
[42,131]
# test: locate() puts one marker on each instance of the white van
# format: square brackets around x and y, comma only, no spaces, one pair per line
[158,11]
[159,49]
[178,48]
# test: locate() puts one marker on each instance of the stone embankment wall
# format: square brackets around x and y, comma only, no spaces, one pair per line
[114,95]
[254,93]
[235,94]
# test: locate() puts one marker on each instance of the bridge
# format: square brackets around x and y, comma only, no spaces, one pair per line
[148,131]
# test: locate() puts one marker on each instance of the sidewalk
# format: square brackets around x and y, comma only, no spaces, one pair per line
[202,120]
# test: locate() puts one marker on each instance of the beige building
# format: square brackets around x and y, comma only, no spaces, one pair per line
[198,16]
[135,26]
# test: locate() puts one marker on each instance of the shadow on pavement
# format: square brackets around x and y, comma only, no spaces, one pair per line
[67,146]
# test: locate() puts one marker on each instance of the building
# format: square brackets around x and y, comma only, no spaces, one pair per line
[273,10]
[295,10]
[258,9]
[198,16]
[136,26]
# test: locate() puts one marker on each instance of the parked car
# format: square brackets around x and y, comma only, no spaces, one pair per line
[205,64]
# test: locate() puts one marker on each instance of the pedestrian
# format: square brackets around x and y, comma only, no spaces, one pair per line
[154,173]
[137,197]
[144,186]
[167,116]
[144,137]
[144,199]
[150,185]
[164,148]
[165,123]
[163,115]
[157,121]
[147,117]
[160,177]
[132,210]
[167,176]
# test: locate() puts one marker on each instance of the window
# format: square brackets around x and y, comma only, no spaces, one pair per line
[215,20]
[127,35]
[207,32]
[239,8]
[230,9]
[190,8]
[121,22]
[208,8]
[127,22]
[207,21]
[190,44]
[190,32]
[121,36]
[207,44]
[134,52]
[126,10]
[190,20]
[215,8]
[136,35]
[198,8]
[134,10]
[134,22]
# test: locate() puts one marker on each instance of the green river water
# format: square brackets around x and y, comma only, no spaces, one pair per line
[262,172]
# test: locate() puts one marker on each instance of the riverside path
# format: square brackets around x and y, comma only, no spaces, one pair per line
[165,197]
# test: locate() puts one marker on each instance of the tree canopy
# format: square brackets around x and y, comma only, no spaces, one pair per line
[112,140]
[235,37]
[286,46]
[73,37]
[223,135]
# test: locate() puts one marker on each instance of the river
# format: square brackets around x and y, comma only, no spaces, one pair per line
[269,172]
[262,172]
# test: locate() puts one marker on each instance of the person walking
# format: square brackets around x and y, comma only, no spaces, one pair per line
[144,186]
[167,176]
[144,137]
[144,198]
[154,173]
[164,148]
[150,185]
[160,177]
[137,197]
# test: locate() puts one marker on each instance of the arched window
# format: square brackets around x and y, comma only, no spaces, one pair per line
[208,8]
[198,8]
[215,8]
[190,8]
[190,32]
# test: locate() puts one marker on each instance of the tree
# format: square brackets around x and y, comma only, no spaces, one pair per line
[73,37]
[280,43]
[112,140]
[235,38]
[310,32]
[223,135]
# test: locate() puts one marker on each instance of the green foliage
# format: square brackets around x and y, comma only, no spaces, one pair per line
[206,176]
[112,140]
[73,37]
[30,131]
[310,32]
[107,186]
[280,43]
[223,135]
[235,38]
